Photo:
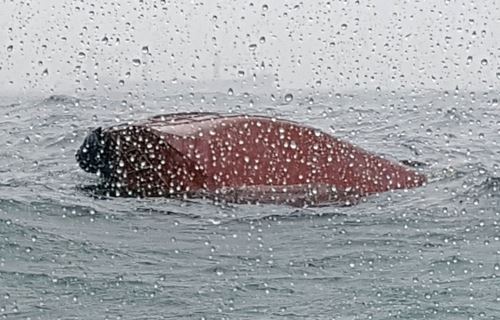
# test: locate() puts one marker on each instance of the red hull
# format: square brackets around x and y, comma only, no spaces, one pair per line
[245,159]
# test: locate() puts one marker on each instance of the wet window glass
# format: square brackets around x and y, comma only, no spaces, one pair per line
[249,159]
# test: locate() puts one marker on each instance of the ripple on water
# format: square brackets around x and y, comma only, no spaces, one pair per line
[427,253]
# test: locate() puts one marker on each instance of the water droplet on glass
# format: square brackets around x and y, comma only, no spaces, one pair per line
[45,72]
[81,55]
[343,26]
[262,39]
[136,62]
[484,62]
[105,40]
[230,92]
[288,97]
[145,50]
[498,75]
[469,59]
[252,47]
[241,73]
[265,7]
[10,48]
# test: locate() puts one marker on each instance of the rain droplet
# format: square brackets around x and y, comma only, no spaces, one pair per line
[45,72]
[288,97]
[136,62]
[265,7]
[9,48]
[241,73]
[262,39]
[469,59]
[252,47]
[145,50]
[343,26]
[498,75]
[105,40]
[230,92]
[484,62]
[81,55]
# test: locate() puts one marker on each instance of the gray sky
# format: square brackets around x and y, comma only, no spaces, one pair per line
[75,46]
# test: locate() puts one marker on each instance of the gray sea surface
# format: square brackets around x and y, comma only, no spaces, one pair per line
[427,253]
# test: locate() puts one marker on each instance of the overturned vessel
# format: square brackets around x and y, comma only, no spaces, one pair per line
[237,158]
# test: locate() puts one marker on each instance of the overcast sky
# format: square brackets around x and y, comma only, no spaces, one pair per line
[78,47]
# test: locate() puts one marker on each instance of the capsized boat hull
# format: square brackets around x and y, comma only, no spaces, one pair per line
[238,158]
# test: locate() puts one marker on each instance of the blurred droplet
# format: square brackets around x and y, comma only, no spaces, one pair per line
[252,47]
[136,62]
[484,62]
[10,48]
[288,97]
[145,50]
[230,92]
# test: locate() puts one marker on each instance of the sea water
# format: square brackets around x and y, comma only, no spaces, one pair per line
[427,253]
